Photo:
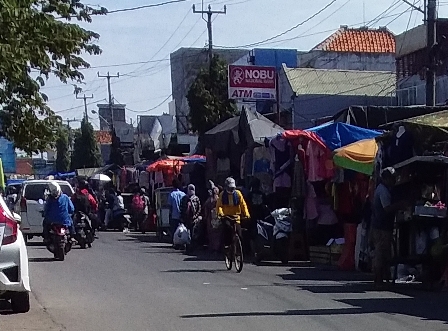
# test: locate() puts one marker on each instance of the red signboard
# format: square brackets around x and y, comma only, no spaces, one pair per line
[252,82]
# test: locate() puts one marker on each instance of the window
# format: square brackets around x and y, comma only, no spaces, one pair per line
[37,191]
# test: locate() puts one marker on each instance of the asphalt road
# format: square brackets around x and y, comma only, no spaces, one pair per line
[130,282]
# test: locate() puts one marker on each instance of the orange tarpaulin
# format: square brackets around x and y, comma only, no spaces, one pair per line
[166,165]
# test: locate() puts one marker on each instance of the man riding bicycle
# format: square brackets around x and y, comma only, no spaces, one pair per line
[231,204]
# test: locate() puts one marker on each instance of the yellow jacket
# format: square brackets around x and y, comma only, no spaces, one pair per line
[230,209]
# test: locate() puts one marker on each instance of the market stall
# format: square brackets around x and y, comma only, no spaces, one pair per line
[233,147]
[417,149]
[327,200]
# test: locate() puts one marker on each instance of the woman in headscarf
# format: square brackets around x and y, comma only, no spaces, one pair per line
[213,225]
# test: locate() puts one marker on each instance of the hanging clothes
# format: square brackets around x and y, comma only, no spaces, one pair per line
[261,160]
[281,163]
[316,161]
[311,203]
[143,179]
[401,147]
[158,177]
[299,183]
[266,182]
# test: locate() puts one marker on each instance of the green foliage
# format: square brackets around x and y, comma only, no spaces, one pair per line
[86,153]
[116,154]
[37,41]
[208,98]
[63,151]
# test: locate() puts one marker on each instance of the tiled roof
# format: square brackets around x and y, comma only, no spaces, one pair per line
[361,40]
[103,137]
[305,81]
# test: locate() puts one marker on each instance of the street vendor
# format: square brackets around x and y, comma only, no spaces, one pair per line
[383,217]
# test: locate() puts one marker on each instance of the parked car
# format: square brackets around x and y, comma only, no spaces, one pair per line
[14,276]
[28,206]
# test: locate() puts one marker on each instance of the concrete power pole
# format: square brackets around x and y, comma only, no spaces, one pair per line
[85,105]
[209,13]
[108,76]
[431,27]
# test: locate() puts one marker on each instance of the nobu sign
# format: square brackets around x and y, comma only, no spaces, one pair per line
[252,82]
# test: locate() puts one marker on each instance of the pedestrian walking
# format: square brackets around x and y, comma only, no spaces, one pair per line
[174,201]
[214,229]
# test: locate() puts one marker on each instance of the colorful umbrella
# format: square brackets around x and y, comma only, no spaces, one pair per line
[358,156]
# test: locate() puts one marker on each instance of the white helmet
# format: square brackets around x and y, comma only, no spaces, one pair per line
[54,188]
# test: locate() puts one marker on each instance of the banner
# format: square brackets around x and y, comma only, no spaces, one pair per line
[252,83]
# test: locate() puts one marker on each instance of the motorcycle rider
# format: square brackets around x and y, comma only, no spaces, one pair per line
[231,203]
[58,210]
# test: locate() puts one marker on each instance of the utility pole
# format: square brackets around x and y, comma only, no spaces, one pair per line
[209,13]
[431,28]
[85,105]
[108,76]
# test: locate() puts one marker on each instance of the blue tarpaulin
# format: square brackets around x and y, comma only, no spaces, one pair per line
[14,182]
[337,135]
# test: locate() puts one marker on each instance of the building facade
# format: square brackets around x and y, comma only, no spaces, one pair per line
[412,61]
[362,49]
[105,115]
[310,94]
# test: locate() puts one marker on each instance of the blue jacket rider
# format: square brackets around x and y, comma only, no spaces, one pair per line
[58,208]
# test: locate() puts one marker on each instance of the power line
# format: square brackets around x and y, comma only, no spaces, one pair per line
[72,108]
[151,109]
[168,40]
[144,7]
[289,30]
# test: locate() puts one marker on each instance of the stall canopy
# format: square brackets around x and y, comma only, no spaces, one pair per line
[337,135]
[166,165]
[244,131]
[427,130]
[297,135]
[358,156]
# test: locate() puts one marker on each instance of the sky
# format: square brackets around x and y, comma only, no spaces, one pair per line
[137,43]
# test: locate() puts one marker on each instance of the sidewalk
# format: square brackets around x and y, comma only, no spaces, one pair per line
[37,319]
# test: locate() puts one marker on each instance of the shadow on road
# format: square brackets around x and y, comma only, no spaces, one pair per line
[35,243]
[430,306]
[181,271]
[41,259]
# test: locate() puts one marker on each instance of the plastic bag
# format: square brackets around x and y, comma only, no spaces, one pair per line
[181,235]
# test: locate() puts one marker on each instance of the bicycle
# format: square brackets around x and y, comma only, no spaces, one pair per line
[234,253]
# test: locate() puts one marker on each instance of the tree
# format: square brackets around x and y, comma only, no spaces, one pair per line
[63,151]
[208,97]
[116,154]
[86,153]
[38,41]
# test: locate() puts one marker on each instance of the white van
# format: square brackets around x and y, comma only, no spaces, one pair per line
[28,206]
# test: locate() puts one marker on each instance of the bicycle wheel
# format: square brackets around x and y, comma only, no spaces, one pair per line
[228,257]
[238,254]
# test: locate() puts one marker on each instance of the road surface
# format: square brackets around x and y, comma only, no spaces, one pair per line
[131,282]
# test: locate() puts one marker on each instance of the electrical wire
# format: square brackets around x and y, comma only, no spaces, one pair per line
[288,30]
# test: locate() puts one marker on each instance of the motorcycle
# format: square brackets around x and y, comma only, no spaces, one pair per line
[120,220]
[84,230]
[59,242]
[273,236]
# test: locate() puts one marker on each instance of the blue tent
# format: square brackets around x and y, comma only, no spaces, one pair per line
[336,135]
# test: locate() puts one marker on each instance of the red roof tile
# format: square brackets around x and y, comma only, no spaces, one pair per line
[103,137]
[362,40]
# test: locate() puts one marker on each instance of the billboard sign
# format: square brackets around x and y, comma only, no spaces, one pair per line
[252,82]
[8,155]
